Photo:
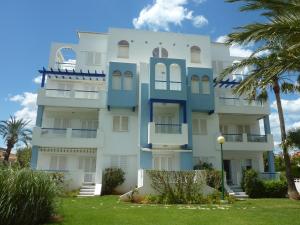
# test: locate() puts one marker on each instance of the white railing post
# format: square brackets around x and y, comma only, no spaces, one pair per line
[245,138]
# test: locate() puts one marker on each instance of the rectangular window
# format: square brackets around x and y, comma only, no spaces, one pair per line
[116,82]
[195,126]
[92,58]
[203,127]
[58,162]
[120,123]
[119,161]
[127,82]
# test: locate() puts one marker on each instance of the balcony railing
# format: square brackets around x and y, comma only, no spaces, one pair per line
[162,85]
[167,128]
[54,132]
[63,133]
[233,137]
[65,65]
[256,138]
[64,93]
[239,102]
[175,85]
[84,133]
[245,138]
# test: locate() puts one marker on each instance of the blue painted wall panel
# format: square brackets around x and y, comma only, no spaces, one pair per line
[146,160]
[168,94]
[39,116]
[122,98]
[186,160]
[34,157]
[201,102]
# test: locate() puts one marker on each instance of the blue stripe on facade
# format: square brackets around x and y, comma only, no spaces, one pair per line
[122,98]
[186,160]
[271,161]
[39,116]
[34,157]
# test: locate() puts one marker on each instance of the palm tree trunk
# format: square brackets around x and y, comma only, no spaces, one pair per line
[292,191]
[9,147]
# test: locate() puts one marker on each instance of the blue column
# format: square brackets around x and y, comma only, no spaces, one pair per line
[146,160]
[271,162]
[43,80]
[39,116]
[186,160]
[34,157]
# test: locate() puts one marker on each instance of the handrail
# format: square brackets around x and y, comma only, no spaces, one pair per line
[85,129]
[56,89]
[86,91]
[52,128]
[168,124]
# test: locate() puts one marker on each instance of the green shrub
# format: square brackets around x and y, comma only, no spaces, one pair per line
[176,187]
[113,177]
[213,178]
[203,166]
[26,197]
[275,189]
[257,188]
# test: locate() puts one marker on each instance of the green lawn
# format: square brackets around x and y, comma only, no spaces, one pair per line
[108,210]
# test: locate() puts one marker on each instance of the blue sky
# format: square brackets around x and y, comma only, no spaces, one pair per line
[29,27]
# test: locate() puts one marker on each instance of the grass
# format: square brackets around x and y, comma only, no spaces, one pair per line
[108,210]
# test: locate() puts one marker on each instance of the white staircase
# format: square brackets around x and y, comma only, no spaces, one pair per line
[238,192]
[87,190]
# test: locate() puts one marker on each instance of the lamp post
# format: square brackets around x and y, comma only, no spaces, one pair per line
[221,141]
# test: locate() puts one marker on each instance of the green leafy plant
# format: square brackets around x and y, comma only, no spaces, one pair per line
[26,197]
[23,157]
[113,177]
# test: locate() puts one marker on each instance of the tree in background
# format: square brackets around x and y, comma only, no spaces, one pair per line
[23,157]
[274,62]
[14,131]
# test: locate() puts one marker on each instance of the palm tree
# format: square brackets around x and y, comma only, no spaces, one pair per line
[14,131]
[293,138]
[278,37]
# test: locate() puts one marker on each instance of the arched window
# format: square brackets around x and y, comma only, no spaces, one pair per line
[127,81]
[160,53]
[155,53]
[195,54]
[195,84]
[175,77]
[65,58]
[160,76]
[164,53]
[123,51]
[116,80]
[205,85]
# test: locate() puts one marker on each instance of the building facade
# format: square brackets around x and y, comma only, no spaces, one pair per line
[145,100]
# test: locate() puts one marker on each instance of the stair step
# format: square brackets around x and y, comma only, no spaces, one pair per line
[88,187]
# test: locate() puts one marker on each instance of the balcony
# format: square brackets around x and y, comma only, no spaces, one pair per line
[68,138]
[241,106]
[248,142]
[167,134]
[71,98]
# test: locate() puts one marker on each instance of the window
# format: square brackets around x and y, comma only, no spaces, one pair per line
[123,51]
[119,161]
[93,58]
[162,163]
[160,53]
[120,123]
[61,123]
[116,80]
[175,77]
[205,85]
[155,53]
[195,84]
[199,126]
[195,54]
[58,162]
[164,53]
[128,81]
[160,76]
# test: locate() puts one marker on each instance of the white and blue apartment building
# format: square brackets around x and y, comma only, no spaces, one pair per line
[141,100]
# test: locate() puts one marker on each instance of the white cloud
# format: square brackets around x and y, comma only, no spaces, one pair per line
[27,100]
[199,21]
[162,13]
[235,49]
[291,109]
[37,80]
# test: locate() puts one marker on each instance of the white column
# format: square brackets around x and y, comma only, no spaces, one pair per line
[99,155]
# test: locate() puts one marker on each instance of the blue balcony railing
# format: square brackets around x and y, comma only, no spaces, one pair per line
[54,132]
[233,137]
[256,138]
[168,128]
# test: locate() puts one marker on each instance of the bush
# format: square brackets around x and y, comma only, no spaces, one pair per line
[213,178]
[257,188]
[177,187]
[26,197]
[113,177]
